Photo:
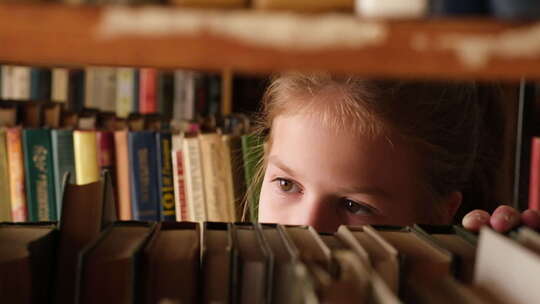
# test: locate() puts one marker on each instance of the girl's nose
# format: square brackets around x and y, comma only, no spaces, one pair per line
[319,213]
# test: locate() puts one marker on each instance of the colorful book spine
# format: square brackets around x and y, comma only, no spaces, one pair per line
[181,207]
[19,212]
[143,166]
[106,155]
[122,175]
[60,85]
[165,176]
[5,198]
[40,189]
[63,162]
[147,91]
[86,157]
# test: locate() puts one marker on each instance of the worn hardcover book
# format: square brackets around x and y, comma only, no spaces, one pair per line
[125,92]
[86,156]
[5,198]
[20,83]
[60,85]
[195,194]
[19,210]
[147,91]
[123,175]
[180,200]
[63,162]
[171,271]
[145,197]
[234,158]
[165,93]
[165,176]
[39,172]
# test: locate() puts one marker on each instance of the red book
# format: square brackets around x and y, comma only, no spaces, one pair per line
[179,187]
[147,91]
[534,182]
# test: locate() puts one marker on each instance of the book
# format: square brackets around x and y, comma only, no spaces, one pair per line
[106,89]
[305,6]
[165,176]
[218,256]
[125,92]
[86,156]
[167,266]
[109,264]
[165,93]
[81,222]
[534,179]
[60,85]
[105,150]
[235,161]
[38,163]
[254,264]
[216,190]
[26,268]
[40,84]
[180,200]
[6,72]
[194,181]
[392,9]
[5,198]
[20,83]
[123,183]
[19,211]
[147,91]
[313,251]
[63,161]
[76,90]
[145,198]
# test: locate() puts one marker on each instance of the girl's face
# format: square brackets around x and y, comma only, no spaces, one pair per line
[319,177]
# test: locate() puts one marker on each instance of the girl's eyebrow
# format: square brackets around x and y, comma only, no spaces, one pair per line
[278,163]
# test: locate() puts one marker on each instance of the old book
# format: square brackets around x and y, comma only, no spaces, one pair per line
[195,194]
[445,290]
[86,156]
[60,85]
[26,272]
[125,92]
[165,176]
[86,210]
[5,198]
[180,200]
[106,154]
[20,83]
[38,163]
[147,91]
[123,184]
[312,250]
[235,159]
[254,264]
[145,200]
[110,264]
[216,190]
[6,72]
[370,246]
[40,84]
[218,254]
[8,115]
[19,211]
[305,6]
[106,89]
[171,271]
[63,161]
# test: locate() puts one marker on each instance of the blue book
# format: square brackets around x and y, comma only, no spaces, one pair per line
[165,176]
[63,161]
[40,84]
[145,198]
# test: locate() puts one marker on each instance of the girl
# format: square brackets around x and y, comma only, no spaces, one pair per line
[343,150]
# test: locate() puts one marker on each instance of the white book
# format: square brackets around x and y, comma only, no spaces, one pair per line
[125,95]
[60,85]
[195,195]
[20,83]
[179,178]
[391,8]
[189,103]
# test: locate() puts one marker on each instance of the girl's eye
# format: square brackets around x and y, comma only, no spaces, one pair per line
[287,185]
[357,208]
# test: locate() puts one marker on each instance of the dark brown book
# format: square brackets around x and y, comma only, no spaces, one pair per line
[171,262]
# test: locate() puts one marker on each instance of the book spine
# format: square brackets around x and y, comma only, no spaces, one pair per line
[91,88]
[165,176]
[143,162]
[228,176]
[19,212]
[63,162]
[21,83]
[179,95]
[76,90]
[34,83]
[39,175]
[194,180]
[7,71]
[166,94]
[214,94]
[86,157]
[123,175]
[125,92]
[179,186]
[60,85]
[201,94]
[5,198]
[534,183]
[147,92]
[105,141]
[189,103]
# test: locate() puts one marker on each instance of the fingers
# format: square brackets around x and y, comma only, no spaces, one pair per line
[504,218]
[531,218]
[475,219]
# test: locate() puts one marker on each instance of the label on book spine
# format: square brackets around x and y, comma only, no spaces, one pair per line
[166,176]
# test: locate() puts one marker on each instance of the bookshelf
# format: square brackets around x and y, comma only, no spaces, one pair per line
[261,42]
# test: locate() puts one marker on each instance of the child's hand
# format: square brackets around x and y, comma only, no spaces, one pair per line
[503,219]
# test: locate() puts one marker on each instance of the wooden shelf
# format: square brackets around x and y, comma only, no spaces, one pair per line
[252,41]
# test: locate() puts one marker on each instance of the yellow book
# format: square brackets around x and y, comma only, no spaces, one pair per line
[86,157]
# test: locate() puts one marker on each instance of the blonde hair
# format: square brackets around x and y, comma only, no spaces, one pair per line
[446,123]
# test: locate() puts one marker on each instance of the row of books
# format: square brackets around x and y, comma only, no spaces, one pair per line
[92,258]
[179,94]
[366,8]
[157,175]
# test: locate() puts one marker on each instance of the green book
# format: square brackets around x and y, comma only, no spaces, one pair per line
[63,162]
[5,202]
[38,167]
[252,151]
